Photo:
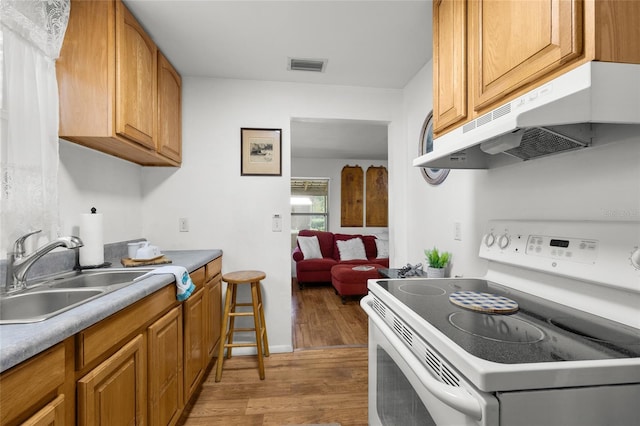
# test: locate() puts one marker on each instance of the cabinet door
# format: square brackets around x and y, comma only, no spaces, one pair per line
[449,63]
[165,367]
[25,388]
[194,343]
[136,80]
[169,110]
[213,314]
[516,42]
[51,414]
[115,392]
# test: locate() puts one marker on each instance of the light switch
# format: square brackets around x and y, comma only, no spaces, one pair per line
[276,223]
[457,231]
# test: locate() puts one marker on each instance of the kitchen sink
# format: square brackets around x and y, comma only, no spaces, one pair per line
[105,278]
[59,293]
[39,305]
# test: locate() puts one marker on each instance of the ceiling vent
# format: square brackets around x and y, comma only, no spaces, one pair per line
[314,65]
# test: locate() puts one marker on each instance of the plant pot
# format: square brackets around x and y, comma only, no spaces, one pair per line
[435,272]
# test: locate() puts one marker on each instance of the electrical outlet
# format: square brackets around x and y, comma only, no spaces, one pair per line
[183,224]
[457,231]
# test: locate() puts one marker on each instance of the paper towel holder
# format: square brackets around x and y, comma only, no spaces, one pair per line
[78,266]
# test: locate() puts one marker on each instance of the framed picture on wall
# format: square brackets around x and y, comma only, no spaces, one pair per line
[260,152]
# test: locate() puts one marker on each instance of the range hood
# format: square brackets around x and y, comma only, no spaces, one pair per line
[553,118]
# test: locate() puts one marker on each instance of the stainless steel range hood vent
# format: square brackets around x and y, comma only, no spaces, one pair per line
[538,142]
[550,119]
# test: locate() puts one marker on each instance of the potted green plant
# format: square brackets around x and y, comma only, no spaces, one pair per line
[437,262]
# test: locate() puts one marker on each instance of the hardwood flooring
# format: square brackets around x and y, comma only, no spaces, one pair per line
[320,319]
[323,381]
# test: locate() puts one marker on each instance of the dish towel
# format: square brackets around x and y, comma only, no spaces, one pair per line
[184,285]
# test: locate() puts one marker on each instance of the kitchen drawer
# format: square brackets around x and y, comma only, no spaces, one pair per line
[99,341]
[198,277]
[31,382]
[213,268]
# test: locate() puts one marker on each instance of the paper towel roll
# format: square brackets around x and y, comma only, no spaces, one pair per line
[92,253]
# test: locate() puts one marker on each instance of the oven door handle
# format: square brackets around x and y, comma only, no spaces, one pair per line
[456,398]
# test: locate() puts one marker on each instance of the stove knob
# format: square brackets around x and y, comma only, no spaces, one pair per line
[489,239]
[635,258]
[504,241]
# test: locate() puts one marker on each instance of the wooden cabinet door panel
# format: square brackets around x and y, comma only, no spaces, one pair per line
[351,196]
[194,341]
[114,393]
[23,386]
[449,62]
[516,42]
[165,367]
[213,314]
[169,110]
[50,415]
[377,197]
[136,79]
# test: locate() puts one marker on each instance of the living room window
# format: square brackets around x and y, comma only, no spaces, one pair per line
[309,205]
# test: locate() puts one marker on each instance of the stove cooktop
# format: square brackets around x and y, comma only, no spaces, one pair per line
[539,331]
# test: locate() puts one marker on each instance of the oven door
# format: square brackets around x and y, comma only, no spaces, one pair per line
[404,392]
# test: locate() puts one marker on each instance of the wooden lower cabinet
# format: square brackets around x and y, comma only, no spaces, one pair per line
[114,393]
[194,342]
[32,392]
[139,366]
[51,414]
[213,299]
[165,369]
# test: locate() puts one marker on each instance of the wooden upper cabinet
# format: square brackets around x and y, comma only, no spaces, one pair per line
[616,34]
[169,110]
[136,80]
[108,85]
[449,62]
[488,52]
[516,42]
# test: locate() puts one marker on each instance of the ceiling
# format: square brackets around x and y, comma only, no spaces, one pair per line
[374,43]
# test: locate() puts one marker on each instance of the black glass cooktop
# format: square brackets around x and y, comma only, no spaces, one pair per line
[539,331]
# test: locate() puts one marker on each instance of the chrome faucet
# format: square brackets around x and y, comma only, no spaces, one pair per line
[18,263]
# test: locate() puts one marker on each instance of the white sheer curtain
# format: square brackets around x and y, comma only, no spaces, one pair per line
[32,34]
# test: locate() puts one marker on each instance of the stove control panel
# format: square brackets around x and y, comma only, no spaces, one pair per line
[571,249]
[600,252]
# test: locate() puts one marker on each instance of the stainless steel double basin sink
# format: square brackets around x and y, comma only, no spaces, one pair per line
[58,294]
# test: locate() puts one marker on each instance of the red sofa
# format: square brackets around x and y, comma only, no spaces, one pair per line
[319,270]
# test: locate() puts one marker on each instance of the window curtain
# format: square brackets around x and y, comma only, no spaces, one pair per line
[32,32]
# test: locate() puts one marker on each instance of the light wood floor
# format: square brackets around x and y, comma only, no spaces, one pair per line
[323,381]
[320,319]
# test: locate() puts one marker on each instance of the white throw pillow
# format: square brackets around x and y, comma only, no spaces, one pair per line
[383,248]
[310,247]
[352,249]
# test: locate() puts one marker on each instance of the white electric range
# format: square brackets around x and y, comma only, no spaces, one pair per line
[567,352]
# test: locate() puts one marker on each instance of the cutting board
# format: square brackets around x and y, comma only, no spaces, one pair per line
[128,262]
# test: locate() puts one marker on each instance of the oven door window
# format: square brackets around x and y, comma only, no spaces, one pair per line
[396,401]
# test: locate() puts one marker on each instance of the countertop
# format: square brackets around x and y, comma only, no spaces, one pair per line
[19,342]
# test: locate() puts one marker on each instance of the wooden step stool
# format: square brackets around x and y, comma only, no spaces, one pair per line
[233,279]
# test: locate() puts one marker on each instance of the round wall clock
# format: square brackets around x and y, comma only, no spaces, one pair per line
[433,176]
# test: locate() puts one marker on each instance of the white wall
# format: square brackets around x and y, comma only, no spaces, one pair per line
[233,212]
[332,169]
[88,178]
[598,183]
[425,213]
